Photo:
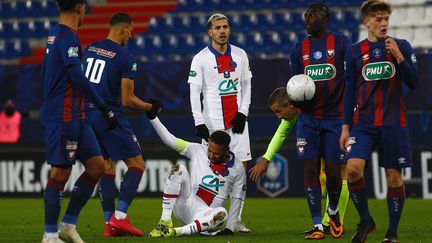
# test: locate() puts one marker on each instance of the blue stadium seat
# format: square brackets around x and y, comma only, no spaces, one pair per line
[352,19]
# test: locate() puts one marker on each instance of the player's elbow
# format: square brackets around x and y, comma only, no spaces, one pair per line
[127,102]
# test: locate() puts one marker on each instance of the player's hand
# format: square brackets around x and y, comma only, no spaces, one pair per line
[259,170]
[109,116]
[226,231]
[239,122]
[343,140]
[202,131]
[394,50]
[155,110]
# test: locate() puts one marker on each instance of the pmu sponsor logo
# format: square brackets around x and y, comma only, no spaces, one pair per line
[320,72]
[378,71]
[228,86]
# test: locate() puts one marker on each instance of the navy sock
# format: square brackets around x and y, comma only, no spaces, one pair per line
[81,193]
[359,196]
[128,188]
[312,190]
[107,192]
[333,191]
[52,200]
[395,202]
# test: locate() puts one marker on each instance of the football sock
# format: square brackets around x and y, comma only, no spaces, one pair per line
[170,194]
[107,193]
[52,200]
[192,228]
[333,192]
[81,193]
[312,190]
[343,200]
[359,197]
[326,218]
[128,188]
[395,202]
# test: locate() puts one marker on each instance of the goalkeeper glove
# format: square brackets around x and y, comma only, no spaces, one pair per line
[239,122]
[202,131]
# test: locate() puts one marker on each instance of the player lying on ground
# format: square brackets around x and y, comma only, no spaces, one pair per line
[197,198]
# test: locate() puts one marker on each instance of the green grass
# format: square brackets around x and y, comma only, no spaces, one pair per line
[271,220]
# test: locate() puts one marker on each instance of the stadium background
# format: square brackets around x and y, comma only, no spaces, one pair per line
[166,35]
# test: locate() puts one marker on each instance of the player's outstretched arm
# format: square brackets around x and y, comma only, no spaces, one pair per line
[259,169]
[129,99]
[169,139]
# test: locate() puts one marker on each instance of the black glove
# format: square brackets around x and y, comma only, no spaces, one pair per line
[226,231]
[239,122]
[109,116]
[202,131]
[155,110]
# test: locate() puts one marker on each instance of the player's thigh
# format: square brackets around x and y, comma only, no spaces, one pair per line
[240,144]
[308,138]
[61,142]
[88,144]
[121,142]
[395,148]
[330,141]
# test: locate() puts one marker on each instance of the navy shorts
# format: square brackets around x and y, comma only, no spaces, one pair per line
[394,145]
[68,141]
[117,144]
[319,138]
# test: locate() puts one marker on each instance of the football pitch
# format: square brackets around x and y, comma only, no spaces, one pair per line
[271,220]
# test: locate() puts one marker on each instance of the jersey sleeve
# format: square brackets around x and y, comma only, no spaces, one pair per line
[239,186]
[295,66]
[129,67]
[408,68]
[69,48]
[245,86]
[246,72]
[349,97]
[196,72]
[279,137]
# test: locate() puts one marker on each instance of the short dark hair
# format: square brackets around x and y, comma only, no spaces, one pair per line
[220,138]
[321,7]
[215,16]
[68,5]
[120,18]
[372,7]
[279,96]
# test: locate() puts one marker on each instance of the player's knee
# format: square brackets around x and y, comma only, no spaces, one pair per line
[394,179]
[353,173]
[136,161]
[60,173]
[95,167]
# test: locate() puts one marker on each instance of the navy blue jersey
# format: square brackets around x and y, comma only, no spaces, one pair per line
[323,61]
[105,64]
[63,101]
[375,83]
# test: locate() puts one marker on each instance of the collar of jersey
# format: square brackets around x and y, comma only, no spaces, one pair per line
[218,54]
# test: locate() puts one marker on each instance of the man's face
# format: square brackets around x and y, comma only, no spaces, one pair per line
[216,153]
[377,24]
[315,20]
[286,112]
[219,31]
[81,13]
[126,33]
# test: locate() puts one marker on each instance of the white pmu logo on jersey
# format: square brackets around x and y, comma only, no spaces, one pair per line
[351,141]
[71,148]
[73,51]
[378,71]
[301,143]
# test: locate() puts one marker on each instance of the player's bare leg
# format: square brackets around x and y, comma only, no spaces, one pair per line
[128,188]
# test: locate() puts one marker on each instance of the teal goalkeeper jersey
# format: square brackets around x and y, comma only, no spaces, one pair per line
[281,133]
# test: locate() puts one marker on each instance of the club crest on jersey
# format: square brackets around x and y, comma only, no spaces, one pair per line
[330,52]
[378,71]
[51,39]
[73,51]
[377,53]
[301,143]
[71,149]
[320,72]
[226,74]
[233,64]
[351,141]
[317,55]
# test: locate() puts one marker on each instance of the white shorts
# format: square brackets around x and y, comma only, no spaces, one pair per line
[240,143]
[190,209]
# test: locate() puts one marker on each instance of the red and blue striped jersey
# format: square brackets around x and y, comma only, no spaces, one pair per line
[105,64]
[63,101]
[374,83]
[323,61]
